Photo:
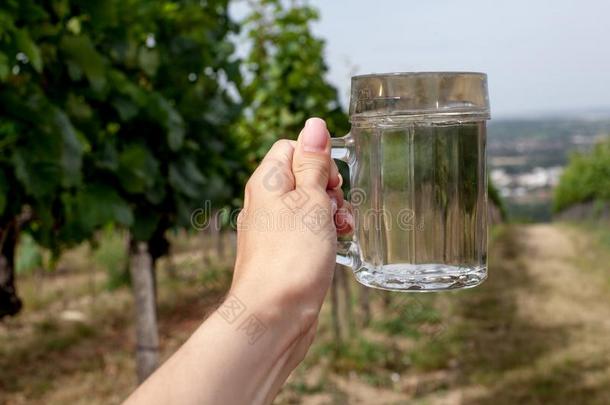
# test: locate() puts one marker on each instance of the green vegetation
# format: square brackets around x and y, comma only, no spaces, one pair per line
[361,355]
[434,354]
[111,254]
[408,316]
[585,179]
[287,77]
[527,213]
[29,256]
[494,197]
[521,146]
[110,114]
[119,118]
[530,333]
[133,114]
[116,112]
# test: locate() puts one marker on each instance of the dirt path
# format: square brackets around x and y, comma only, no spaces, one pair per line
[575,289]
[552,342]
[536,332]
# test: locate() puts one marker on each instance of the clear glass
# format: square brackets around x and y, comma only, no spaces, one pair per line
[416,154]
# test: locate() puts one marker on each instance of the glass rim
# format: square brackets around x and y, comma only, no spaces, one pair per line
[420,95]
[421,73]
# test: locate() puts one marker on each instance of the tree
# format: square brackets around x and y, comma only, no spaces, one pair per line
[585,179]
[40,150]
[115,112]
[287,76]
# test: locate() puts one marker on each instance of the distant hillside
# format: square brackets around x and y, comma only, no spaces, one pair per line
[527,156]
[543,142]
[586,179]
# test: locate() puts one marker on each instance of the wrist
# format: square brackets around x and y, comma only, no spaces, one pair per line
[284,314]
[255,304]
[245,316]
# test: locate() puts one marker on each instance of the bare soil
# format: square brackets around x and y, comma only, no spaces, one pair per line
[536,332]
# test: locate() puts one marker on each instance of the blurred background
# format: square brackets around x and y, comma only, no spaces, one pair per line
[129,128]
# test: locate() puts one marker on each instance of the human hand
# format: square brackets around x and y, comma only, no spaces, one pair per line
[285,261]
[287,231]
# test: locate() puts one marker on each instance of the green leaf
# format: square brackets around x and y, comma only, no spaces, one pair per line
[186,178]
[72,148]
[105,13]
[127,88]
[126,109]
[44,226]
[170,119]
[39,176]
[3,192]
[145,224]
[28,47]
[77,107]
[175,131]
[102,92]
[74,25]
[98,205]
[5,69]
[233,72]
[81,51]
[156,193]
[184,210]
[138,168]
[107,157]
[148,59]
[61,7]
[216,188]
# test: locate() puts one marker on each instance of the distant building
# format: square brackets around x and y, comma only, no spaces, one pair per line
[518,185]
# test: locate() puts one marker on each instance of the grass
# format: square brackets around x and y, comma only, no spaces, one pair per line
[28,256]
[409,316]
[51,336]
[302,388]
[420,347]
[595,248]
[111,254]
[38,358]
[357,354]
[435,354]
[43,355]
[601,232]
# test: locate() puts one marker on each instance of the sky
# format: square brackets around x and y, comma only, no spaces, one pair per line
[541,56]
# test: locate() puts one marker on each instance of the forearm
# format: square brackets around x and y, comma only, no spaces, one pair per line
[240,355]
[245,351]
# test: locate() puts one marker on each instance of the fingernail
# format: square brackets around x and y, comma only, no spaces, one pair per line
[350,220]
[314,136]
[333,206]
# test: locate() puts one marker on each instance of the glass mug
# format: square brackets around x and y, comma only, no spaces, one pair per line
[416,156]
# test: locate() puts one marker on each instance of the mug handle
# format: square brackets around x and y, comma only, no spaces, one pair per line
[347,250]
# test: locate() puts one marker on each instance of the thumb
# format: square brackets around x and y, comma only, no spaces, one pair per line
[311,160]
